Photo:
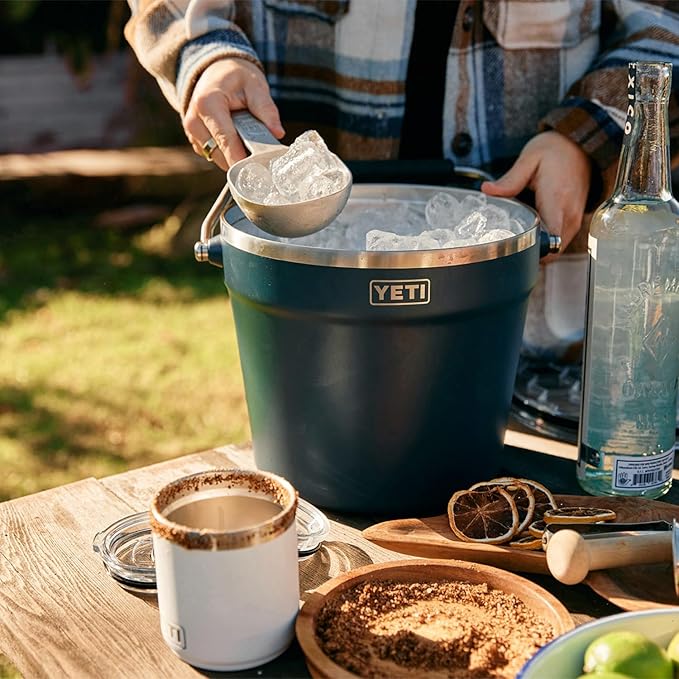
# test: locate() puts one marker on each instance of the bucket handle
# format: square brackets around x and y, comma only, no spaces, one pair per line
[208,248]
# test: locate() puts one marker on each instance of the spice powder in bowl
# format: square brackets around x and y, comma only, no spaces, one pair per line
[441,627]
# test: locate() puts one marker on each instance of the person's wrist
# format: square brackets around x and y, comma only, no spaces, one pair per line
[199,54]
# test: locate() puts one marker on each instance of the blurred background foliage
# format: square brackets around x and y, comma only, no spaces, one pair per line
[76,29]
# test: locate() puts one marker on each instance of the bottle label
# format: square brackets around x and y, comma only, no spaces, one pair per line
[631,95]
[632,472]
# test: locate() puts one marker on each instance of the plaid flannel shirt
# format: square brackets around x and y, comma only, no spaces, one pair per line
[514,67]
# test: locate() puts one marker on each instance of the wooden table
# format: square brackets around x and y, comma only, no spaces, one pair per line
[61,614]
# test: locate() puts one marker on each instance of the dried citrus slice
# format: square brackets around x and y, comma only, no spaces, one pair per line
[521,493]
[488,515]
[537,528]
[544,499]
[528,542]
[578,515]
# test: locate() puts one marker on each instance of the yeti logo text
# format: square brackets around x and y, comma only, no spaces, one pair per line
[400,292]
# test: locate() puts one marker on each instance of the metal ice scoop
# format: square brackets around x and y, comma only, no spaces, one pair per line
[289,220]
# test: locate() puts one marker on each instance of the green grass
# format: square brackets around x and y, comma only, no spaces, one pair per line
[113,354]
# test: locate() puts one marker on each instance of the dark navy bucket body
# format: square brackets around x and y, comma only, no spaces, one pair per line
[375,388]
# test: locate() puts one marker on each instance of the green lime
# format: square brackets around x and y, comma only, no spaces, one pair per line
[673,649]
[605,675]
[628,653]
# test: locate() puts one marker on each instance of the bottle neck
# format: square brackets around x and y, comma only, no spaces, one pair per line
[644,168]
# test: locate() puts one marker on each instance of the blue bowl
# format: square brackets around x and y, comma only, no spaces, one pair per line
[563,658]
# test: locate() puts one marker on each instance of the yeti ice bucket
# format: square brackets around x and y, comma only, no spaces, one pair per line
[377,381]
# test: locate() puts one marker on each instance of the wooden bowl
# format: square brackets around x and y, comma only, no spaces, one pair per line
[538,600]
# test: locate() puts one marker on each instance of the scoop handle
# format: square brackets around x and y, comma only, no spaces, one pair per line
[255,134]
[570,556]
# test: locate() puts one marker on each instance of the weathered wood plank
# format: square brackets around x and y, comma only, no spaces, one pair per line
[150,160]
[138,486]
[60,612]
[101,178]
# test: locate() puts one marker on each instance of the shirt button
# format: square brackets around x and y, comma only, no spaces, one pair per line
[468,18]
[462,144]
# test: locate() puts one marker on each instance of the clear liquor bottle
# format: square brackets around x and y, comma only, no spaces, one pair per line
[627,430]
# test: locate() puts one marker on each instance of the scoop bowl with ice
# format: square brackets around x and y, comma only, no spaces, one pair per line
[287,191]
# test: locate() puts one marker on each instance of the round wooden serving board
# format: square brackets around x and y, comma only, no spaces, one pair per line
[631,588]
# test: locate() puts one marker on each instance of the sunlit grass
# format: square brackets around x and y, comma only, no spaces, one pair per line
[110,357]
[7,670]
[97,385]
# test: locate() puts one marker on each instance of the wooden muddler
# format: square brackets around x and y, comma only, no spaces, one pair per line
[571,556]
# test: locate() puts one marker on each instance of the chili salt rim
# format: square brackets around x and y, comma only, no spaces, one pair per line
[259,484]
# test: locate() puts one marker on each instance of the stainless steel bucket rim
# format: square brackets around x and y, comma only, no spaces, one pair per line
[264,246]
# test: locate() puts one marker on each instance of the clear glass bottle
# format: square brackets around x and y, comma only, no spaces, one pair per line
[627,427]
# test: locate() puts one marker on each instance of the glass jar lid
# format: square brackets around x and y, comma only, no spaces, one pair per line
[312,528]
[126,546]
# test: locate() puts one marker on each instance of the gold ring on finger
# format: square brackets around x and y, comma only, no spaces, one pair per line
[209,148]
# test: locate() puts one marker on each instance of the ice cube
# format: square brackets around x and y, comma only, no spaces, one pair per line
[425,241]
[385,240]
[329,182]
[441,236]
[442,210]
[495,234]
[332,237]
[473,203]
[415,221]
[472,225]
[458,242]
[312,137]
[275,198]
[391,217]
[308,170]
[255,182]
[496,217]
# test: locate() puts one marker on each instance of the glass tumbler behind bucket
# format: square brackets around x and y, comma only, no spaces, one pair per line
[555,319]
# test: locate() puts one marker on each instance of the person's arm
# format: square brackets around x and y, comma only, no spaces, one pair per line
[205,66]
[571,163]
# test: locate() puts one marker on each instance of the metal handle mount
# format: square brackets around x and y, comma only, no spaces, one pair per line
[208,248]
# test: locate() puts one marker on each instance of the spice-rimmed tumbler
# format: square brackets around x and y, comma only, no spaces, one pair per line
[225,546]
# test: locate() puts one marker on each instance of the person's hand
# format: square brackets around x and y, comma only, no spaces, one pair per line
[224,86]
[559,172]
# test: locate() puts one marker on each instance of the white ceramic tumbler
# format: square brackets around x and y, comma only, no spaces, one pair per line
[225,547]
